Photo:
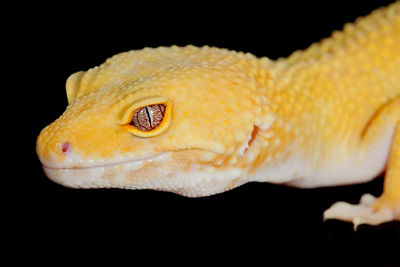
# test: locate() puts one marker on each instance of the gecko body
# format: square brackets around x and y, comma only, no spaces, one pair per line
[200,121]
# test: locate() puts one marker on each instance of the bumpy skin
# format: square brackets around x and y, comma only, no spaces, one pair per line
[328,115]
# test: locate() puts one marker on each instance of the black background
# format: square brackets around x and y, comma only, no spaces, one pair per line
[255,223]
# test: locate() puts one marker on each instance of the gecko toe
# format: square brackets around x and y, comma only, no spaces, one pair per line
[362,213]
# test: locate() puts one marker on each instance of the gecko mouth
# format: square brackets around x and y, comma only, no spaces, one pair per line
[166,171]
[100,165]
[72,172]
[88,176]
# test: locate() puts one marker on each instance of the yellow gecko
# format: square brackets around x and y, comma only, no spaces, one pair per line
[200,121]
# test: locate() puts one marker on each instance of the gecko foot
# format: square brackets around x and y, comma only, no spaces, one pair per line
[362,213]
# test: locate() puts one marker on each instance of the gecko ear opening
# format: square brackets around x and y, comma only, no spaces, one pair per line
[73,84]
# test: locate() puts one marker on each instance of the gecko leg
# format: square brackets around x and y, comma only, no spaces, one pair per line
[386,208]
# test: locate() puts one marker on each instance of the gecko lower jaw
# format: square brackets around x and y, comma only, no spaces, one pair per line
[163,172]
[98,175]
[101,175]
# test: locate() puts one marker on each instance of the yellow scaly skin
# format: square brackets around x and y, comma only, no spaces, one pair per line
[325,116]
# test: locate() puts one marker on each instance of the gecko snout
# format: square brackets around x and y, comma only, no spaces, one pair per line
[54,150]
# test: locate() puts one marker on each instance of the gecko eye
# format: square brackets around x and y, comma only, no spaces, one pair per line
[149,117]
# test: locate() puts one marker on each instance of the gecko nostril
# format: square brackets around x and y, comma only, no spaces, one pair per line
[66,147]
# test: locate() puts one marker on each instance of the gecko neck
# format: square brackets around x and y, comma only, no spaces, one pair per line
[309,129]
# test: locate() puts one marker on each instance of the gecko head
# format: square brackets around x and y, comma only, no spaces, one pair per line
[173,119]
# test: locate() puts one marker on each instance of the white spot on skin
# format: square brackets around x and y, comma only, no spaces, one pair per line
[277,142]
[244,146]
[288,127]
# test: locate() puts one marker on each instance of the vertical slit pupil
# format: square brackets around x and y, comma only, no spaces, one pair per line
[149,117]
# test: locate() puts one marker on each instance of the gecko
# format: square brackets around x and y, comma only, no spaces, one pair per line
[198,121]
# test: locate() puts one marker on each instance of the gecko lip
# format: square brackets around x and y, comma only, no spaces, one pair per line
[116,172]
[163,172]
[98,165]
[96,175]
[74,161]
